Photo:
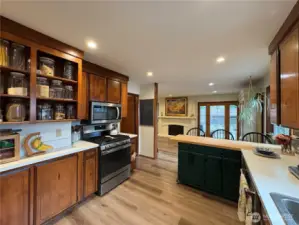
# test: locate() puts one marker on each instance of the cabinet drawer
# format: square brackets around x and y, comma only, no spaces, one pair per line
[90,153]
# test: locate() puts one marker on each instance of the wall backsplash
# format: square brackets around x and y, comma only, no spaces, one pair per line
[48,133]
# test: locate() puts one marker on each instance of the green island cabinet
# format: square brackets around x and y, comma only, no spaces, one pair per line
[210,169]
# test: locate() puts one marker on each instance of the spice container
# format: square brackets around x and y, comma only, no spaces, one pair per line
[70,112]
[44,112]
[15,111]
[4,52]
[68,92]
[42,87]
[68,72]
[59,112]
[56,90]
[18,56]
[17,84]
[47,66]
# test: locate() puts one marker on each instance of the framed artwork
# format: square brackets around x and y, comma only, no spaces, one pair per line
[176,106]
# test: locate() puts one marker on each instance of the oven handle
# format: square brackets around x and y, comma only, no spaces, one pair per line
[117,113]
[115,149]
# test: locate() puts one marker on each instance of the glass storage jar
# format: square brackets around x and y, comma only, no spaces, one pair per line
[68,72]
[70,112]
[17,84]
[18,56]
[44,112]
[56,90]
[4,52]
[47,66]
[59,112]
[42,87]
[15,111]
[68,92]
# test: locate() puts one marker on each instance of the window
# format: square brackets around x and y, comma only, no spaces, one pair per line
[218,115]
[280,130]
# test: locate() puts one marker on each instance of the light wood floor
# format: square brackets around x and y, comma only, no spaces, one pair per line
[152,197]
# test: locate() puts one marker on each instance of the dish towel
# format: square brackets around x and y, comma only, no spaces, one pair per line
[245,202]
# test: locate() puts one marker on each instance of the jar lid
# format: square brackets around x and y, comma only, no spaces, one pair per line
[46,59]
[56,82]
[5,41]
[18,45]
[42,78]
[68,87]
[17,74]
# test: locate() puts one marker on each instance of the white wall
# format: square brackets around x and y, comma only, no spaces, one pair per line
[48,133]
[133,88]
[146,133]
[192,111]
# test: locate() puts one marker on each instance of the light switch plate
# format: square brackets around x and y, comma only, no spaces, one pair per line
[58,133]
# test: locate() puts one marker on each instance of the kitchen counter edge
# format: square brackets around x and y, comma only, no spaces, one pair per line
[26,161]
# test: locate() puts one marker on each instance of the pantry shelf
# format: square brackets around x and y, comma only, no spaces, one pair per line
[56,99]
[11,69]
[56,121]
[11,123]
[58,78]
[13,96]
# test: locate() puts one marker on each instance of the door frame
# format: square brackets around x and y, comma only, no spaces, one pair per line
[226,120]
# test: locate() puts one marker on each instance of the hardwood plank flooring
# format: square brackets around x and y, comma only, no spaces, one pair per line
[152,197]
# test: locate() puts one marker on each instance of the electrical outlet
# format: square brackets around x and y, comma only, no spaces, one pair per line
[58,133]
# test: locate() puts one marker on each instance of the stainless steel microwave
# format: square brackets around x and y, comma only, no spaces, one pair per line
[101,112]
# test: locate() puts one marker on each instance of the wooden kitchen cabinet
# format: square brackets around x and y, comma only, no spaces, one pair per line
[124,100]
[275,88]
[15,198]
[56,187]
[90,172]
[113,91]
[97,88]
[289,80]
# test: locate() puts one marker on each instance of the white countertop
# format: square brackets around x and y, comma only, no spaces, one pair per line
[272,175]
[130,135]
[77,147]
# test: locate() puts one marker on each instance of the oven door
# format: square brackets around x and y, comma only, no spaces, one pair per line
[104,112]
[114,161]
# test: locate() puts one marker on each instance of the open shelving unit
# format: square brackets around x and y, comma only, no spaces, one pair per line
[33,52]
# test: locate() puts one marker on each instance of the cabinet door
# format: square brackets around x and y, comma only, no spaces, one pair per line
[191,168]
[90,172]
[124,100]
[113,91]
[231,178]
[289,80]
[97,88]
[213,174]
[274,89]
[56,187]
[14,198]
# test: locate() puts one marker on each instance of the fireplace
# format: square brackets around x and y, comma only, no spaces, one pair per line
[175,129]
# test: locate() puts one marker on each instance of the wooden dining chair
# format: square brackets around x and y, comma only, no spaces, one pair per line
[222,134]
[257,138]
[196,132]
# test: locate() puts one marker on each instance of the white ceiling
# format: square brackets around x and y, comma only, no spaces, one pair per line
[178,41]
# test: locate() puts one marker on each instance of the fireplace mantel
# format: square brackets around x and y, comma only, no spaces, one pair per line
[177,117]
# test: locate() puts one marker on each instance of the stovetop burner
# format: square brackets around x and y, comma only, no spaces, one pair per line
[110,141]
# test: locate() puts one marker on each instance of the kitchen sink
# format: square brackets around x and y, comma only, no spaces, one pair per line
[288,208]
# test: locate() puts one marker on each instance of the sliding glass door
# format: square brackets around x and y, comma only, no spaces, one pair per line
[218,115]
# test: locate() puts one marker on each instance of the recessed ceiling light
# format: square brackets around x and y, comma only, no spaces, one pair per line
[92,44]
[214,91]
[170,95]
[220,59]
[149,74]
[211,84]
